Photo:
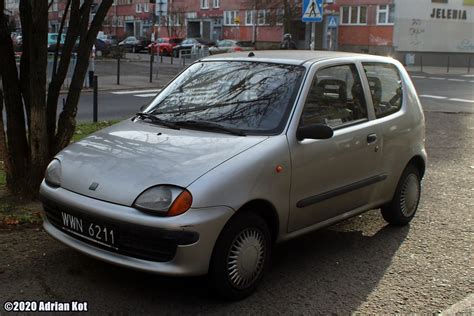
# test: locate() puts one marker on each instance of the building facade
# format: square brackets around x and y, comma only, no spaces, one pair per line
[435,32]
[365,25]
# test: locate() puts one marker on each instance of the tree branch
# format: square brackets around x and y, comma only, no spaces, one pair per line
[67,122]
[58,41]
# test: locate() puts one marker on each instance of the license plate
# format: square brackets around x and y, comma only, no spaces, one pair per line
[96,232]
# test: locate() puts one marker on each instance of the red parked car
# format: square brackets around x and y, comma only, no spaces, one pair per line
[164,45]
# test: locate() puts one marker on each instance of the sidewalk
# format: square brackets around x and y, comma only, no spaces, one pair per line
[433,70]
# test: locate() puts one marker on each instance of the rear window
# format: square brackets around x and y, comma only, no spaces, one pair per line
[385,87]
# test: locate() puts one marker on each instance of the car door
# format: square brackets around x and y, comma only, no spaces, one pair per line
[333,176]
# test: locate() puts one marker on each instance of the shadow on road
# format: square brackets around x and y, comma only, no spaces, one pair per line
[332,270]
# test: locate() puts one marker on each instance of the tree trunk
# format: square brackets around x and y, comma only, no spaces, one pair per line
[38,59]
[27,148]
[16,142]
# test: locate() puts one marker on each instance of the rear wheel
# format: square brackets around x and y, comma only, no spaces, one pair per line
[240,257]
[403,207]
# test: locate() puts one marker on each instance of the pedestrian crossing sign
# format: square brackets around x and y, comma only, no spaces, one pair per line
[333,21]
[312,10]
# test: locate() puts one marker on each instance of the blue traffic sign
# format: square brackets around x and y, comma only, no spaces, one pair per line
[333,21]
[312,10]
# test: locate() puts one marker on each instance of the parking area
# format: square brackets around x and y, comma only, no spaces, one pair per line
[360,265]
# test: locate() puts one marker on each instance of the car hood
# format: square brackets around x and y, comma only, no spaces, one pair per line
[129,157]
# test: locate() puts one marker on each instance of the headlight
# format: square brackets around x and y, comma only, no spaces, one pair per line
[53,173]
[164,200]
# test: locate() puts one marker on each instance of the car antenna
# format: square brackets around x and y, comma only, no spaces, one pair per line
[251,54]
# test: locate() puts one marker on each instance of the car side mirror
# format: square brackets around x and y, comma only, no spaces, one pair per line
[316,131]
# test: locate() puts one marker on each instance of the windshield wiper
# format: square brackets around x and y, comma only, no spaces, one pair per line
[156,120]
[209,125]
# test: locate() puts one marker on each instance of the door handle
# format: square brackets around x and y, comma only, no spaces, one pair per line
[371,138]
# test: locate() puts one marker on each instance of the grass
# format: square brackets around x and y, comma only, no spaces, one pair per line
[84,129]
[2,177]
[14,210]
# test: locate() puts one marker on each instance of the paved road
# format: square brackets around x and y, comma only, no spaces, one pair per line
[448,93]
[360,265]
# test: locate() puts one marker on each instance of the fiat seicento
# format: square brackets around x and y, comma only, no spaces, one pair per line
[237,153]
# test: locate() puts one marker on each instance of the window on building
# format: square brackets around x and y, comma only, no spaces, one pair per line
[204,4]
[385,14]
[174,19]
[263,17]
[280,16]
[215,3]
[138,7]
[354,15]
[249,17]
[145,7]
[231,17]
[124,2]
[53,8]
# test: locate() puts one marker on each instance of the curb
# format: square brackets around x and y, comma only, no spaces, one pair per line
[463,307]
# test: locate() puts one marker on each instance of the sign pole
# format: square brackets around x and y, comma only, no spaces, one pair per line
[312,13]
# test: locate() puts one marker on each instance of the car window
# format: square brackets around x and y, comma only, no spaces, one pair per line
[336,98]
[187,42]
[385,87]
[255,98]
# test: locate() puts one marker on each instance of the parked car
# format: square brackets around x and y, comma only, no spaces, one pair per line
[189,43]
[229,46]
[237,153]
[133,44]
[53,41]
[101,48]
[164,45]
[112,40]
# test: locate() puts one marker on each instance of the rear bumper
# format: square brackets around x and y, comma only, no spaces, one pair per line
[182,245]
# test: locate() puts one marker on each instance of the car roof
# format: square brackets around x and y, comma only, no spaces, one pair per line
[295,57]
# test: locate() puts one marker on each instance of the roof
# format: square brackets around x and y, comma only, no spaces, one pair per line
[296,57]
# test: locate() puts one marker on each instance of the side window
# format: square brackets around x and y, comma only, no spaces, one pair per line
[385,87]
[336,98]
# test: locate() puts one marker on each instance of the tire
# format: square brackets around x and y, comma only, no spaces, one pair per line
[404,204]
[247,237]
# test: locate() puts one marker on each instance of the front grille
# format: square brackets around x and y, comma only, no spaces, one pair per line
[136,241]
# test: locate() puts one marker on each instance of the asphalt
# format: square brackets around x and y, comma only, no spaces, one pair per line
[361,265]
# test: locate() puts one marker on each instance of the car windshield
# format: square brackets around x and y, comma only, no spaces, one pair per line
[253,98]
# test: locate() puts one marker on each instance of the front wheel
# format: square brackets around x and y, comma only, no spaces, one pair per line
[240,257]
[403,207]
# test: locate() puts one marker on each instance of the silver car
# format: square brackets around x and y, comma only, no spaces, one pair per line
[239,152]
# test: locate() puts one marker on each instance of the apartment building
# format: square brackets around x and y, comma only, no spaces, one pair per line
[365,25]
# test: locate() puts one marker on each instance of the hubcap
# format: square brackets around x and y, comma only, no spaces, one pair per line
[246,258]
[410,195]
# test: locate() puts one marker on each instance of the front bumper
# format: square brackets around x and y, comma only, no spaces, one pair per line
[182,245]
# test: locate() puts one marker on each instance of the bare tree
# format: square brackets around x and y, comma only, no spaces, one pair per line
[33,132]
[282,12]
[174,20]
